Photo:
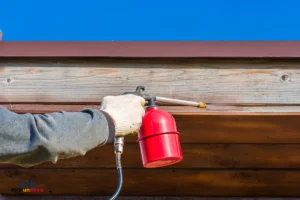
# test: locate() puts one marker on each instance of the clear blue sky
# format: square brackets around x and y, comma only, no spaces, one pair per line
[150,20]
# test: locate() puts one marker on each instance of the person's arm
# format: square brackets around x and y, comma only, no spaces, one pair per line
[29,139]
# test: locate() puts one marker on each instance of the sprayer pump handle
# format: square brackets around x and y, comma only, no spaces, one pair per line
[138,92]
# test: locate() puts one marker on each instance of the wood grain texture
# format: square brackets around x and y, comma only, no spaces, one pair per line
[211,109]
[224,127]
[238,129]
[201,156]
[199,80]
[154,49]
[141,182]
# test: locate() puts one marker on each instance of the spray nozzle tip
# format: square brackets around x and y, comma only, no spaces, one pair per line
[202,105]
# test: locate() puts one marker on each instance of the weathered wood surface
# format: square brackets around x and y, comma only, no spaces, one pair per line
[141,182]
[211,81]
[201,156]
[251,122]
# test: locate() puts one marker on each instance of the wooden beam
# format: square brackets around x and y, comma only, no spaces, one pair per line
[141,182]
[221,82]
[211,127]
[211,109]
[172,49]
[204,156]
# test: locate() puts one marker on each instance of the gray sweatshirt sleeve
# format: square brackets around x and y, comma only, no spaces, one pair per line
[29,139]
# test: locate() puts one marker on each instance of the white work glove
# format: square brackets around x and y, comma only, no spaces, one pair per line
[126,111]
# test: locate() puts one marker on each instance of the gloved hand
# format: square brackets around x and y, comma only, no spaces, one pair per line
[126,111]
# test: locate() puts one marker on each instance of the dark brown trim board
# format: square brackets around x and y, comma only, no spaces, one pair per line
[138,49]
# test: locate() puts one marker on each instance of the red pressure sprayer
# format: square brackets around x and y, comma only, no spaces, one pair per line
[158,137]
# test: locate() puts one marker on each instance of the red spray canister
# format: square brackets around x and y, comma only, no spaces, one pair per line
[158,138]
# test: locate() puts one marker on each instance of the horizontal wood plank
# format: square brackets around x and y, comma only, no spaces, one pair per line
[211,109]
[198,80]
[141,182]
[173,49]
[214,127]
[239,129]
[206,156]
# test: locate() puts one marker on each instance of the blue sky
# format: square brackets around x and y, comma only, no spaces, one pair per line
[150,20]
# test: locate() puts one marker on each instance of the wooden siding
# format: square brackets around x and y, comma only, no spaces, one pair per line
[245,143]
[161,182]
[196,156]
[226,82]
[200,126]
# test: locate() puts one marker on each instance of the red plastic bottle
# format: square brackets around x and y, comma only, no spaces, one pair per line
[158,138]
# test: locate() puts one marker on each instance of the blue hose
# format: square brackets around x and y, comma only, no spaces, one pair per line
[120,175]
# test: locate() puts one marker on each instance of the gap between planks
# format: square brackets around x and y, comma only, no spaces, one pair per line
[211,109]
